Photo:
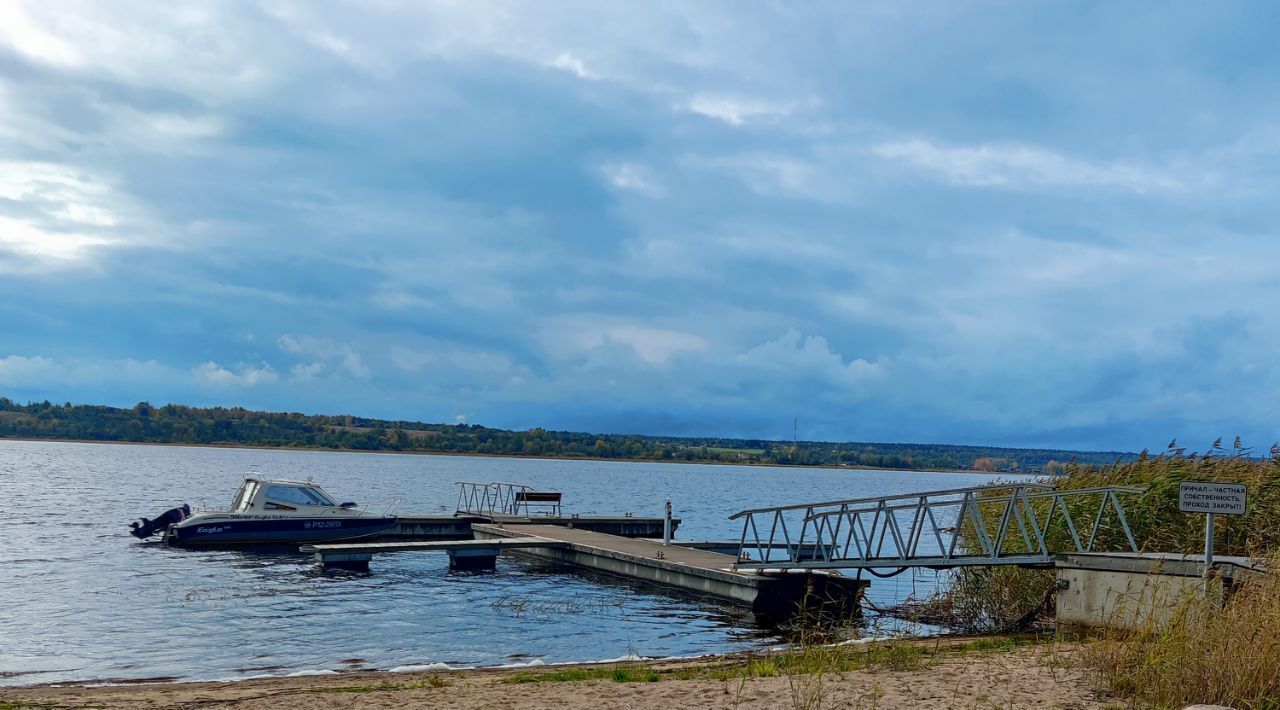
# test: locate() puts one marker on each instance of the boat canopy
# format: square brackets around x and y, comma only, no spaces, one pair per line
[278,495]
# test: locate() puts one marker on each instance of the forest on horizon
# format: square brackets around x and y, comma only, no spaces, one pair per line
[236,426]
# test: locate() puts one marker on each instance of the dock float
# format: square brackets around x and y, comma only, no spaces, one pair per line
[695,571]
[463,554]
[458,527]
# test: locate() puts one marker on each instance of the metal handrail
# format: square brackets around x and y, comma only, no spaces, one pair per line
[985,499]
[489,498]
[875,499]
[836,534]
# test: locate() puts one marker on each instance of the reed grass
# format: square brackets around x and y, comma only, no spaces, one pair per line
[1154,517]
[1206,652]
[996,599]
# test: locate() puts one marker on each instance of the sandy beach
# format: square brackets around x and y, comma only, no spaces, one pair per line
[1032,676]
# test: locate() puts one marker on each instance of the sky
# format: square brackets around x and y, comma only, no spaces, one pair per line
[1048,224]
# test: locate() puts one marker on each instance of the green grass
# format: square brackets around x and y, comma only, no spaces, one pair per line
[1007,643]
[617,674]
[903,656]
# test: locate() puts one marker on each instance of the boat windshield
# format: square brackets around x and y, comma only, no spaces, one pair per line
[244,496]
[297,495]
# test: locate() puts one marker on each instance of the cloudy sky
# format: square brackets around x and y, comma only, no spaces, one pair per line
[1016,223]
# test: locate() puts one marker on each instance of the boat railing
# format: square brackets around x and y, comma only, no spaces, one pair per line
[389,505]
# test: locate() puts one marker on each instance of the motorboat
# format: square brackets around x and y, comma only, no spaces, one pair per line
[268,512]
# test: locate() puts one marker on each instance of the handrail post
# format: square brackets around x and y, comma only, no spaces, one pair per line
[742,542]
[666,523]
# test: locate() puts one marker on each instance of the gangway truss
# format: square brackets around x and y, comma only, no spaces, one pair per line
[490,498]
[1019,523]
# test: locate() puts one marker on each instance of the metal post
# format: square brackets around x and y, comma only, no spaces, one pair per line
[1208,542]
[666,524]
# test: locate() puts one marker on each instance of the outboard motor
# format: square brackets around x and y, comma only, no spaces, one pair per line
[143,528]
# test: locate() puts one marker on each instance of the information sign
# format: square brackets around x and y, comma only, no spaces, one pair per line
[1215,498]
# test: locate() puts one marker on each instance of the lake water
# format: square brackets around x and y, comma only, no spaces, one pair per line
[81,599]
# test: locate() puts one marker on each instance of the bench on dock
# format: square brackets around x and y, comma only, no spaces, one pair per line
[543,500]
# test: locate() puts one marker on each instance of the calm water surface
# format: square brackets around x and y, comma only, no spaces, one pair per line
[81,599]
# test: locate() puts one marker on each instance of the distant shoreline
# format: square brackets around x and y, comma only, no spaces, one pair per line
[620,459]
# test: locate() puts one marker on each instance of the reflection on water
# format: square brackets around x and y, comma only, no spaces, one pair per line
[84,600]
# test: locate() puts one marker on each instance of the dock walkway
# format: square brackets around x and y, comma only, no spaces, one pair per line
[691,570]
[458,526]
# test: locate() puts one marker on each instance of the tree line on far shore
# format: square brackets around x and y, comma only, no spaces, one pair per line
[180,424]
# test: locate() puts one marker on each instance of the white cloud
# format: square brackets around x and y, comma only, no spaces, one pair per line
[17,370]
[736,111]
[411,360]
[66,211]
[447,360]
[245,376]
[150,131]
[793,355]
[778,175]
[46,246]
[306,371]
[19,31]
[353,365]
[340,354]
[632,176]
[574,336]
[40,372]
[1017,166]
[655,345]
[573,65]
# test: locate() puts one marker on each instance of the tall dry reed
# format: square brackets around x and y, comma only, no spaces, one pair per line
[998,599]
[1207,652]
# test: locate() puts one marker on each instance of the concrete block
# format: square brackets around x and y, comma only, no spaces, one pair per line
[1126,600]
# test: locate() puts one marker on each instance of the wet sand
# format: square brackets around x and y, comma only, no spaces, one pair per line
[1036,676]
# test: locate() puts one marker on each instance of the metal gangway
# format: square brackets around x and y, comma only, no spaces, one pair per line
[489,498]
[999,524]
[492,499]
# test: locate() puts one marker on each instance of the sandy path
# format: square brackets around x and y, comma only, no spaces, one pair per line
[1028,677]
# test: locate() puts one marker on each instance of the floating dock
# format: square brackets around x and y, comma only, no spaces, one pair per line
[458,527]
[488,521]
[690,570]
[693,571]
[463,554]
